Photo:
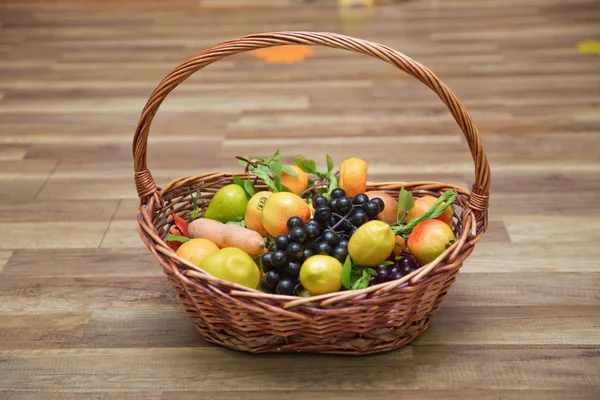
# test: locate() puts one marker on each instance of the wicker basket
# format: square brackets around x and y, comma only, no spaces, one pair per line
[376,319]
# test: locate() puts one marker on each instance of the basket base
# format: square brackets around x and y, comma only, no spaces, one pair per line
[350,344]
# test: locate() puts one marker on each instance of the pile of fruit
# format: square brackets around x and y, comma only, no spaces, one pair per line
[306,237]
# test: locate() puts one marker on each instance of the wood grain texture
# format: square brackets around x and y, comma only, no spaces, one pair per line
[203,368]
[35,331]
[85,309]
[389,395]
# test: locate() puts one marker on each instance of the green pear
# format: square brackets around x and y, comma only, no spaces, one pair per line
[228,204]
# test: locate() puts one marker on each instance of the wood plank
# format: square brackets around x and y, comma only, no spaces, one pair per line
[456,367]
[140,328]
[27,169]
[127,210]
[16,190]
[12,152]
[180,103]
[569,325]
[544,229]
[122,234]
[83,294]
[63,395]
[65,234]
[88,189]
[4,257]
[186,369]
[516,258]
[41,331]
[559,289]
[62,211]
[387,395]
[82,263]
[580,204]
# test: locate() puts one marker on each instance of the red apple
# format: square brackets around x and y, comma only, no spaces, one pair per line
[423,204]
[429,239]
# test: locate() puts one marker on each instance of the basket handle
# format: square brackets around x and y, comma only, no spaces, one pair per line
[146,187]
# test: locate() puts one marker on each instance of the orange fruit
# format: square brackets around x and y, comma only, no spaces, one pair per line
[296,184]
[321,274]
[280,207]
[353,176]
[423,204]
[253,216]
[391,206]
[400,245]
[195,250]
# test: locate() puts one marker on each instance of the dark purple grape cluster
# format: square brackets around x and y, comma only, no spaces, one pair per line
[328,232]
[401,267]
[344,214]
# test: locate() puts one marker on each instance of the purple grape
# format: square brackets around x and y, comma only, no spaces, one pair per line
[383,273]
[407,264]
[397,275]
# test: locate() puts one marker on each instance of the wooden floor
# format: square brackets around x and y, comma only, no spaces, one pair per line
[85,312]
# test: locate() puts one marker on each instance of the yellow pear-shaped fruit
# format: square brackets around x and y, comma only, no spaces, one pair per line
[372,243]
[233,265]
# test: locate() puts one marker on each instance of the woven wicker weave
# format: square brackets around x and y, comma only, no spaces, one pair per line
[379,318]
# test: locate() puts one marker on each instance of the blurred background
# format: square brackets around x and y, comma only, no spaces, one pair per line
[76,74]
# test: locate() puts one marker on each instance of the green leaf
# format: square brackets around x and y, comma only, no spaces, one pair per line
[277,166]
[333,183]
[371,272]
[387,263]
[306,165]
[263,173]
[238,181]
[406,202]
[249,187]
[182,239]
[363,281]
[347,272]
[311,183]
[276,156]
[329,163]
[288,170]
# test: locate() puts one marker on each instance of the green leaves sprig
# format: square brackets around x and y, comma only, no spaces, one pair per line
[437,209]
[310,167]
[195,213]
[267,169]
[354,277]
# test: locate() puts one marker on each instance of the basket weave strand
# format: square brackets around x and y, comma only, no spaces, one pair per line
[375,319]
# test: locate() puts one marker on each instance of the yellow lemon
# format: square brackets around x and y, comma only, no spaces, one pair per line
[372,243]
[321,274]
[233,265]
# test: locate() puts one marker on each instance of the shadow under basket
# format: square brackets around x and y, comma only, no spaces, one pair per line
[380,318]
